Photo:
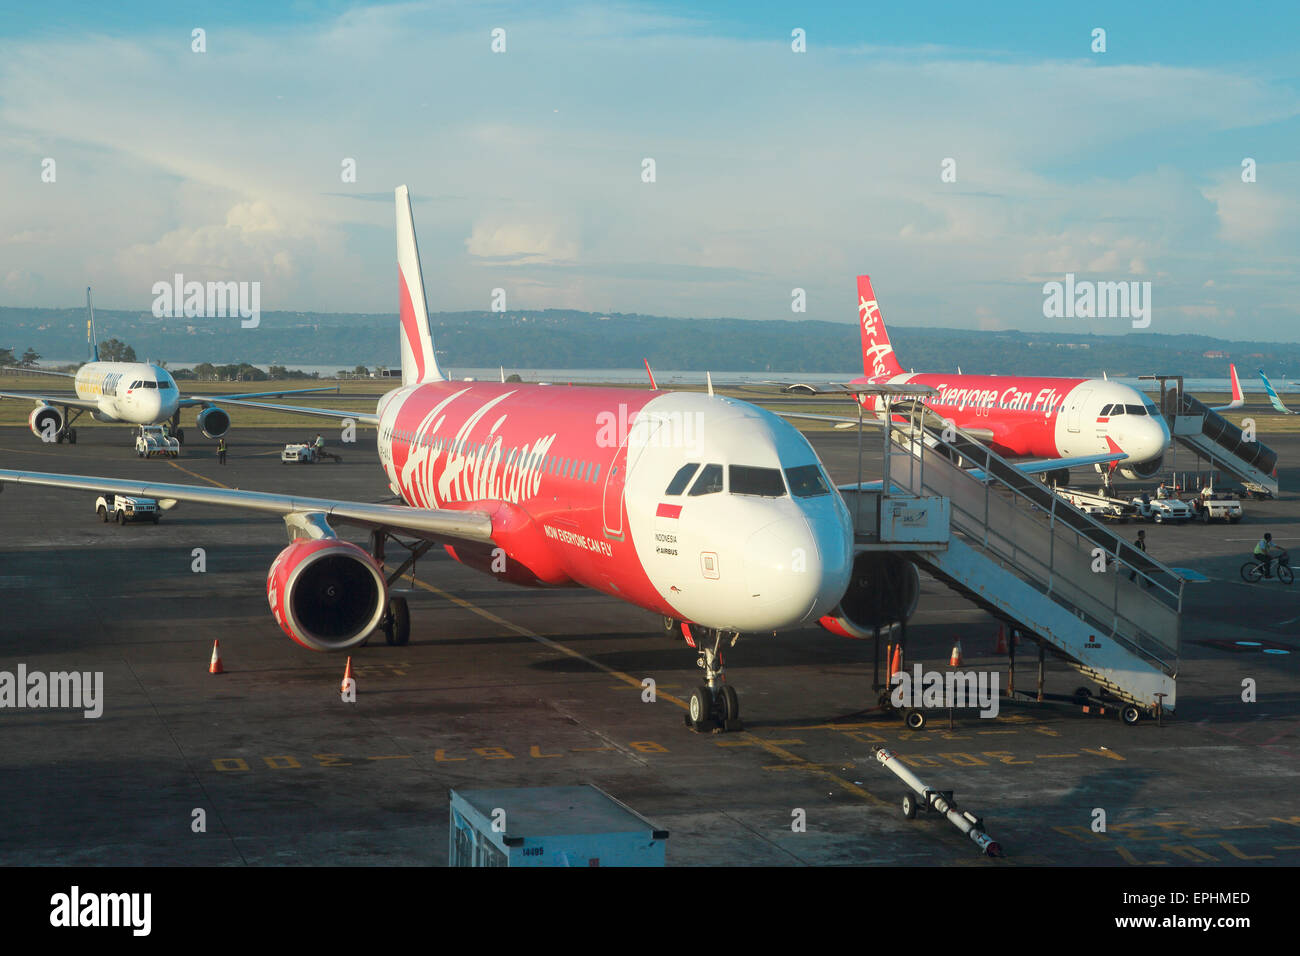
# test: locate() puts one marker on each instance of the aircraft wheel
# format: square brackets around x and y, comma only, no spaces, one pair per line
[701,706]
[909,806]
[400,613]
[72,436]
[180,435]
[730,703]
[59,438]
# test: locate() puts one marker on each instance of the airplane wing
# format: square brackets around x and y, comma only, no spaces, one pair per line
[71,402]
[1238,399]
[436,523]
[191,400]
[361,418]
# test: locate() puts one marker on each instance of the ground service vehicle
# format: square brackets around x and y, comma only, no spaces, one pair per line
[124,508]
[154,440]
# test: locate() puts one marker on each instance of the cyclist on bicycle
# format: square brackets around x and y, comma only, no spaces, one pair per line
[1266,552]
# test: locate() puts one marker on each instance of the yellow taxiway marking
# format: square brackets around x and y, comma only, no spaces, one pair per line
[795,760]
[192,474]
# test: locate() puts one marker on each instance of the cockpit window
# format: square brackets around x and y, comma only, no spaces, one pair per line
[1107,410]
[1135,409]
[164,385]
[806,481]
[682,478]
[709,482]
[764,482]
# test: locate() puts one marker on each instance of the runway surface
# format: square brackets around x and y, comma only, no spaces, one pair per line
[505,687]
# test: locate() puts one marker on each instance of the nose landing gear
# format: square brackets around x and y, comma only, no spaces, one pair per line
[714,706]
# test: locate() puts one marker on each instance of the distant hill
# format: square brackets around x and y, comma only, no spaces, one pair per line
[557,338]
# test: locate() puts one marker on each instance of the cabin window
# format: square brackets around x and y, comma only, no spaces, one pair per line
[762,482]
[709,482]
[807,481]
[682,478]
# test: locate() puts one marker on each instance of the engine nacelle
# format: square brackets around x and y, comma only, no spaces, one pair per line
[45,421]
[884,590]
[326,594]
[214,422]
[1143,471]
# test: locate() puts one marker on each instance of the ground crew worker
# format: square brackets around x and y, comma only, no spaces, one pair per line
[1141,544]
[221,451]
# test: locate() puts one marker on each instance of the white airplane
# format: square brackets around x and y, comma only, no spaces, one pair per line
[714,513]
[134,393]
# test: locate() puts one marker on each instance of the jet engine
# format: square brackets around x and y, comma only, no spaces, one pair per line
[213,422]
[45,421]
[1143,471]
[326,594]
[883,590]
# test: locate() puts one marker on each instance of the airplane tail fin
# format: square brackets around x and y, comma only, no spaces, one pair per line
[878,357]
[1272,395]
[1238,398]
[90,328]
[419,364]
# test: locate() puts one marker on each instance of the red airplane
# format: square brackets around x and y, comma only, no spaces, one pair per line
[1076,419]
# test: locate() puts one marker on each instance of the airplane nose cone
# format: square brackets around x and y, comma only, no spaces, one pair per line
[795,573]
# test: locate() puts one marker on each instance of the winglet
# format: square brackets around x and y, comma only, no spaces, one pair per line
[418,361]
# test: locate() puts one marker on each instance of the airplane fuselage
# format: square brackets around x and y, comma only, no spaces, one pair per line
[580,482]
[1046,417]
[138,393]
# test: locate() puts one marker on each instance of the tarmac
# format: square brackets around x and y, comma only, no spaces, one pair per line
[507,687]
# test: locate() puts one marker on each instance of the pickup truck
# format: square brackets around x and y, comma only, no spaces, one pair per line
[124,508]
[152,440]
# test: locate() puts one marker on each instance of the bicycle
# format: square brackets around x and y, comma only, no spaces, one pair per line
[1253,570]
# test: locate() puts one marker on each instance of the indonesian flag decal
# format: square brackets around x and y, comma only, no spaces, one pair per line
[666,510]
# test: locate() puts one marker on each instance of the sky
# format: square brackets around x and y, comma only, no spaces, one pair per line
[774,170]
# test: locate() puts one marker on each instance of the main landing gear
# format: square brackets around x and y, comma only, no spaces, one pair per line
[177,432]
[396,622]
[714,705]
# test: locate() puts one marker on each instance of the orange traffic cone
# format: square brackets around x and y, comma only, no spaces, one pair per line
[214,667]
[1002,640]
[896,664]
[348,679]
[955,659]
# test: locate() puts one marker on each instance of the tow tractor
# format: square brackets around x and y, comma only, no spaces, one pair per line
[1162,510]
[156,440]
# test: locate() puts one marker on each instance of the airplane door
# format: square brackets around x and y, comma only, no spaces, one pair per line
[625,459]
[1077,403]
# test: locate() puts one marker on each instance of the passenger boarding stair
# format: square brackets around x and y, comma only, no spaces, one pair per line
[1208,434]
[1026,556]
